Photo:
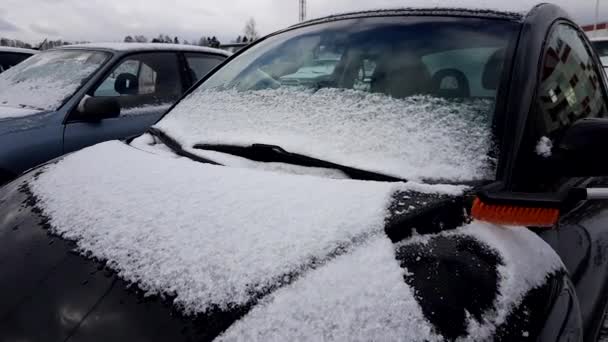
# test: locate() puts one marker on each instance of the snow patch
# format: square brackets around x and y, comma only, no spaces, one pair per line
[356,297]
[544,147]
[528,261]
[147,109]
[210,235]
[420,137]
[11,112]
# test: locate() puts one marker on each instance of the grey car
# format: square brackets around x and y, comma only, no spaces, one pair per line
[68,98]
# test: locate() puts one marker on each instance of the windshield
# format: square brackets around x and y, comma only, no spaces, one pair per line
[46,80]
[409,97]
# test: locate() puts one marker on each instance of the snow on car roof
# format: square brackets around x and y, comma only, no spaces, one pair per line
[17,50]
[599,39]
[146,47]
[501,10]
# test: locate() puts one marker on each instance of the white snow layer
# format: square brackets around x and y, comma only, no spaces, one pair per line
[208,234]
[12,112]
[213,235]
[527,261]
[357,297]
[419,137]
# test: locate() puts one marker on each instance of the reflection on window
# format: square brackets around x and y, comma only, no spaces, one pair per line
[570,86]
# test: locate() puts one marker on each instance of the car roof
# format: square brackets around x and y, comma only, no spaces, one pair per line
[139,47]
[17,50]
[515,14]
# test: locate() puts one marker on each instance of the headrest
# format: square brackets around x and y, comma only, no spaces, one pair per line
[126,84]
[492,70]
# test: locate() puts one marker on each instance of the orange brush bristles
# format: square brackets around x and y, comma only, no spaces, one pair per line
[514,215]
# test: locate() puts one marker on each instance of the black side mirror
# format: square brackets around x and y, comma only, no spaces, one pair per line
[581,150]
[99,108]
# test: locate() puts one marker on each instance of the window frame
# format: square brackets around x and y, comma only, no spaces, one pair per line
[188,70]
[74,116]
[519,176]
[14,54]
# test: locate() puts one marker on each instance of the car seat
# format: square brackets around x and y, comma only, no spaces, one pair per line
[451,83]
[126,84]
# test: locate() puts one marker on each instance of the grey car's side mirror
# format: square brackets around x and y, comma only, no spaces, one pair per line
[98,108]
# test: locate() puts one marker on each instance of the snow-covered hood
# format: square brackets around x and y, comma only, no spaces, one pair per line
[306,256]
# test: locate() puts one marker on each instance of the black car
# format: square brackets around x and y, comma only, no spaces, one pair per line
[442,182]
[12,56]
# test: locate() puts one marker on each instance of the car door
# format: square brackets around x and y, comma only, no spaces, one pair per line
[570,88]
[145,86]
[199,64]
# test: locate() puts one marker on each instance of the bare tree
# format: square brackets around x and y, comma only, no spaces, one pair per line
[251,31]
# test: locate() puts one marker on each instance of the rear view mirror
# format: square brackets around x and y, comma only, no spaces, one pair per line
[582,149]
[99,108]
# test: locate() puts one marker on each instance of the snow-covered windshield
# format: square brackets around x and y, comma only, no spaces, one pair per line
[405,96]
[46,80]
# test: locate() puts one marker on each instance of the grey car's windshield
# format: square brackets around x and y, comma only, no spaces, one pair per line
[410,97]
[46,80]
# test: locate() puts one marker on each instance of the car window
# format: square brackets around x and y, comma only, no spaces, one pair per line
[150,79]
[466,66]
[569,89]
[570,86]
[375,93]
[201,64]
[10,59]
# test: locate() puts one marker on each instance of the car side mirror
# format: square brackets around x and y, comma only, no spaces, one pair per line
[99,108]
[581,150]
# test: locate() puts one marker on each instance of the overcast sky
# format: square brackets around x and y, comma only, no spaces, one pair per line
[111,20]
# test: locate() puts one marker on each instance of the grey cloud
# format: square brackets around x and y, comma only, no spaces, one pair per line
[111,20]
[43,30]
[7,26]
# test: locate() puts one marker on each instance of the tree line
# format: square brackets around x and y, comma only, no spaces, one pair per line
[250,34]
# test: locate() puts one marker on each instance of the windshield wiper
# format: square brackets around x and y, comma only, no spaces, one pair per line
[274,153]
[177,147]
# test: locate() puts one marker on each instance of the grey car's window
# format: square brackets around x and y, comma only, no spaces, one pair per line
[10,59]
[201,64]
[570,86]
[47,79]
[143,80]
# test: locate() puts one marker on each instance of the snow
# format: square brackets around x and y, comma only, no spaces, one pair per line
[527,262]
[45,80]
[11,112]
[210,235]
[220,237]
[146,109]
[419,137]
[147,47]
[356,297]
[17,50]
[544,147]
